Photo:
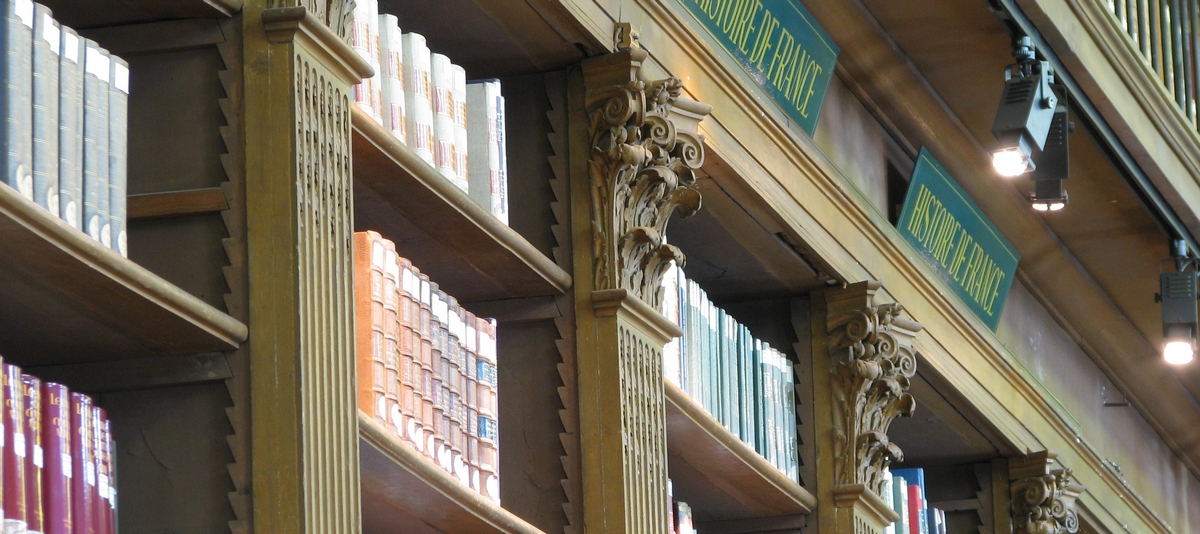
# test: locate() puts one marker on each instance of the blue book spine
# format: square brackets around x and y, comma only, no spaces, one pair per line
[47,42]
[18,110]
[70,130]
[95,142]
[118,143]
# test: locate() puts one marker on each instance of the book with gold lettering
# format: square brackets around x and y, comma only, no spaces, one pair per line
[418,97]
[15,450]
[57,469]
[70,129]
[44,97]
[391,57]
[368,323]
[35,459]
[461,144]
[118,147]
[442,74]
[391,334]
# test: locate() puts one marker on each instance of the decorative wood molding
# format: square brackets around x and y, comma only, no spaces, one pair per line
[335,15]
[288,24]
[644,153]
[867,505]
[873,359]
[1043,500]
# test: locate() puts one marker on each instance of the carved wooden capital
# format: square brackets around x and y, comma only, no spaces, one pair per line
[645,150]
[873,360]
[1043,500]
[336,14]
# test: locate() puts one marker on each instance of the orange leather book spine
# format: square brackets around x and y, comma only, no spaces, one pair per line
[427,389]
[406,350]
[391,337]
[368,321]
[471,391]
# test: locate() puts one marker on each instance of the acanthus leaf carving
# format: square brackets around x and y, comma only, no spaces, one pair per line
[873,361]
[644,155]
[1044,501]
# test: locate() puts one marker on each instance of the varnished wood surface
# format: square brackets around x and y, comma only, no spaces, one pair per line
[68,299]
[400,485]
[467,251]
[717,474]
[176,203]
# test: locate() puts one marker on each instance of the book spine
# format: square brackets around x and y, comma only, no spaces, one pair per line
[900,503]
[932,519]
[439,408]
[391,54]
[100,490]
[454,378]
[481,144]
[461,146]
[118,147]
[915,515]
[110,462]
[376,94]
[391,338]
[489,435]
[443,337]
[443,116]
[360,37]
[47,41]
[31,411]
[70,136]
[730,381]
[405,349]
[57,471]
[789,392]
[427,359]
[93,146]
[887,499]
[418,97]
[500,196]
[472,400]
[760,409]
[363,337]
[14,449]
[81,464]
[18,73]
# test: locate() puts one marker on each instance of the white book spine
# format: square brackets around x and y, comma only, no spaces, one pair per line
[376,93]
[500,199]
[360,41]
[671,309]
[461,146]
[391,47]
[443,116]
[418,96]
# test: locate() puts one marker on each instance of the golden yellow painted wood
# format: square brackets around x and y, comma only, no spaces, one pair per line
[176,203]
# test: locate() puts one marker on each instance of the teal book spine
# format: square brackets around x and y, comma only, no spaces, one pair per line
[900,503]
[70,130]
[18,111]
[729,335]
[46,46]
[759,398]
[748,404]
[789,393]
[723,377]
[118,146]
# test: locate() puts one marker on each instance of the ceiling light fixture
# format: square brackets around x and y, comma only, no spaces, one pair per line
[1178,299]
[1026,111]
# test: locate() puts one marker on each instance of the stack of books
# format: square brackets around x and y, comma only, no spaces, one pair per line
[58,459]
[742,381]
[425,100]
[426,366]
[65,107]
[904,489]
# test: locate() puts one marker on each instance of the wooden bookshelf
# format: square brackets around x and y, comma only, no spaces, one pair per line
[720,476]
[68,299]
[467,251]
[402,491]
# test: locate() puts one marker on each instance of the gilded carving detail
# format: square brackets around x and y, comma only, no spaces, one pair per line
[873,362]
[645,152]
[1045,503]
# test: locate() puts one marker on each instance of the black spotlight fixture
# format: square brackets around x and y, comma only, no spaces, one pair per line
[1178,296]
[1026,111]
[1053,163]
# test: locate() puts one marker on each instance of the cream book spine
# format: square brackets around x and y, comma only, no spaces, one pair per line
[391,50]
[461,145]
[443,116]
[418,96]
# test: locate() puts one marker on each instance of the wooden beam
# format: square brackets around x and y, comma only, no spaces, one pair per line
[157,37]
[176,204]
[786,524]
[143,373]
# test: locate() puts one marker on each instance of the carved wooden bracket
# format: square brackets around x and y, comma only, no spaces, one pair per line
[644,153]
[336,14]
[1043,500]
[873,360]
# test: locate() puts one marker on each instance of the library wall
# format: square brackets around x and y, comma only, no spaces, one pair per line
[1118,433]
[854,141]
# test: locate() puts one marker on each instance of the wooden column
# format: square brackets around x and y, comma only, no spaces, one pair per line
[298,72]
[864,351]
[634,153]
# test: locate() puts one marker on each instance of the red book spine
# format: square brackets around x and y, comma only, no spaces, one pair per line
[81,464]
[14,451]
[56,474]
[100,490]
[914,509]
[36,459]
[110,465]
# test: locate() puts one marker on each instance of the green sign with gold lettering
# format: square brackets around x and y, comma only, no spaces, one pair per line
[954,238]
[780,45]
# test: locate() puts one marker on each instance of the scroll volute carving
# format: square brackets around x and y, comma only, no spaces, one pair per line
[873,360]
[336,14]
[645,150]
[1043,500]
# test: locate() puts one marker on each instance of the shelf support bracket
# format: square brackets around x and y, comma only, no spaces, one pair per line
[635,150]
[871,359]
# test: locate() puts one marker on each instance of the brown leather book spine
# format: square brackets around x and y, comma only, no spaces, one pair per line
[472,403]
[427,389]
[14,449]
[406,348]
[454,383]
[100,490]
[437,333]
[34,461]
[391,380]
[82,464]
[368,320]
[489,461]
[56,475]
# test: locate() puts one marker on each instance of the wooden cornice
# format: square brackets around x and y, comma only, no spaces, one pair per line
[287,24]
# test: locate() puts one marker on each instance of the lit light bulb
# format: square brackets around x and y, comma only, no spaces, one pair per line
[1057,206]
[1010,162]
[1178,352]
[1041,206]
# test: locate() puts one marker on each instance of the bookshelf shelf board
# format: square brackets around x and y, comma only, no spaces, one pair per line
[65,298]
[467,251]
[717,474]
[404,491]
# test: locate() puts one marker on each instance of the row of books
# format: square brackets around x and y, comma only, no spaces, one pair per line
[426,366]
[426,102]
[58,459]
[742,381]
[679,521]
[65,107]
[904,489]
